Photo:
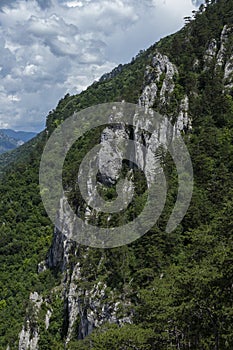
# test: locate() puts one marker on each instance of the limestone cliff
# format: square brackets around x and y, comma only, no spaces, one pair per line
[89,305]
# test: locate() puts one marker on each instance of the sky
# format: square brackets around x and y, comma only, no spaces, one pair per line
[52,47]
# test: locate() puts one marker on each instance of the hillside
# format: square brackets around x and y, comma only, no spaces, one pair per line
[164,290]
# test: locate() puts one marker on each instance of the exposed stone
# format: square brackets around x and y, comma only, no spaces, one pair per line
[196,64]
[42,266]
[221,56]
[183,120]
[89,305]
[29,336]
[72,306]
[110,155]
[228,74]
[58,256]
[161,68]
[210,53]
[47,318]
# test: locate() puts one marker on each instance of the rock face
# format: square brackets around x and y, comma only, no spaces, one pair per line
[219,50]
[88,306]
[84,304]
[29,336]
[62,247]
[221,55]
[110,154]
[160,72]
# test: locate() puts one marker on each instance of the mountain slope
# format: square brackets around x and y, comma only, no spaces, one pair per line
[166,291]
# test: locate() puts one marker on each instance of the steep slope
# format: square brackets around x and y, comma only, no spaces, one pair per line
[166,291]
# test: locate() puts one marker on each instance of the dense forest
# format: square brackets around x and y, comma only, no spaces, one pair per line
[175,290]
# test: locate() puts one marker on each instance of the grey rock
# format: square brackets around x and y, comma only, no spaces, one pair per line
[29,336]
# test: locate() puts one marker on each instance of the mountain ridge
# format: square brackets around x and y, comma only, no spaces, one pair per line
[19,135]
[10,139]
[164,291]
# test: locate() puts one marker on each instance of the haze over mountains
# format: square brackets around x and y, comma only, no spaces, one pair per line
[11,139]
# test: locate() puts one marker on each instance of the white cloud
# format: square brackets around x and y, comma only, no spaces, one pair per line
[74,4]
[51,47]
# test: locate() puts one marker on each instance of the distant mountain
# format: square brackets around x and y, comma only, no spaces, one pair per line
[8,143]
[19,135]
[10,139]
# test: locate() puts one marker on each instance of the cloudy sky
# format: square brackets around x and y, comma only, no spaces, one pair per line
[51,47]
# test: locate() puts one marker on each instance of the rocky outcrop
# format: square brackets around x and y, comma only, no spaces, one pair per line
[210,53]
[228,74]
[183,120]
[62,244]
[110,154]
[89,305]
[91,308]
[222,53]
[224,59]
[158,81]
[219,50]
[47,318]
[29,336]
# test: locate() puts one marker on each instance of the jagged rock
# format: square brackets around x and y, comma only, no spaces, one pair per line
[160,69]
[72,302]
[29,336]
[42,266]
[91,308]
[88,306]
[228,74]
[221,56]
[56,253]
[62,244]
[47,318]
[210,53]
[110,155]
[183,120]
